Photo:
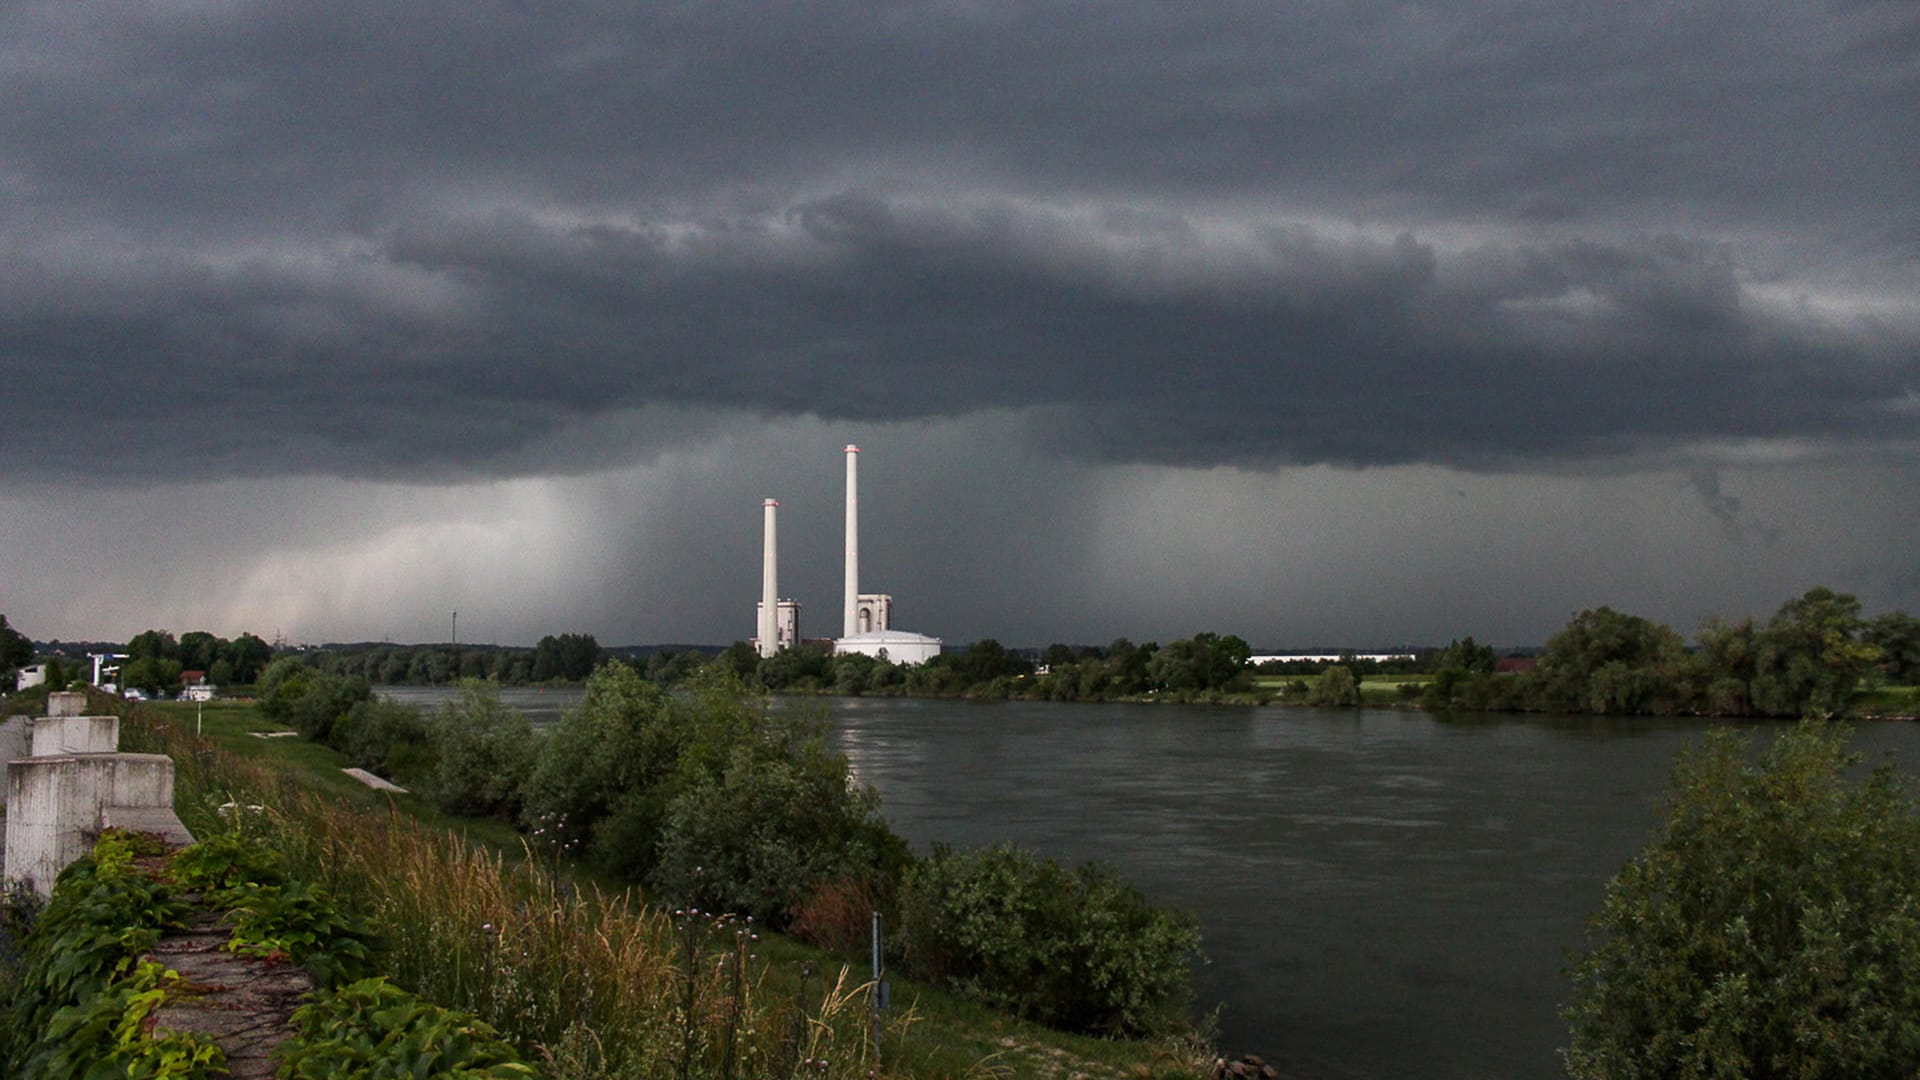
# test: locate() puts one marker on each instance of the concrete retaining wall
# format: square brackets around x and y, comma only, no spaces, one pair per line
[16,739]
[66,782]
[75,735]
[57,802]
[67,703]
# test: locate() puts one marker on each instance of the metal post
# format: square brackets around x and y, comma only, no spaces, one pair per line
[879,996]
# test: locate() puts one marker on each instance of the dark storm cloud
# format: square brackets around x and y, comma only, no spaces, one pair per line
[442,241]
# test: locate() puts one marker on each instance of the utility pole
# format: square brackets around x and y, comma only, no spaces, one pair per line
[456,630]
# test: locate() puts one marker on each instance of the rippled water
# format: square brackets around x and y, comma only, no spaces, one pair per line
[1382,894]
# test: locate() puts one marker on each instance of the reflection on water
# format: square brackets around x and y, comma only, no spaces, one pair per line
[540,704]
[1382,894]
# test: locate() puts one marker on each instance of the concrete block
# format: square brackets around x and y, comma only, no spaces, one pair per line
[67,703]
[157,820]
[54,735]
[16,739]
[55,803]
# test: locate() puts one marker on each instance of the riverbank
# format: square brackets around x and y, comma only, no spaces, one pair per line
[927,1034]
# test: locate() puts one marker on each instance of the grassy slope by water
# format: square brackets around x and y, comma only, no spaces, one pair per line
[948,1037]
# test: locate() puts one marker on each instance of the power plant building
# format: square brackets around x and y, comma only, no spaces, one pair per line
[867,625]
[867,618]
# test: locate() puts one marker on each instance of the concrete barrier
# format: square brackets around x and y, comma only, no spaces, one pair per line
[75,735]
[66,781]
[58,803]
[67,703]
[16,739]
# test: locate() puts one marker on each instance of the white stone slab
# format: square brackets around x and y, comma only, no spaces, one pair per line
[374,782]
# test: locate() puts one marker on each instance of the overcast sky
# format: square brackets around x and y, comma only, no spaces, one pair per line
[1319,323]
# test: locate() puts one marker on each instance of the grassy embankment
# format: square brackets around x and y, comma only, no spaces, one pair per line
[1383,691]
[584,970]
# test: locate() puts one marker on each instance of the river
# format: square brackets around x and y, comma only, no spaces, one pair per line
[1382,894]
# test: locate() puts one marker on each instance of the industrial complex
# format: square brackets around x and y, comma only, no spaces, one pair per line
[867,618]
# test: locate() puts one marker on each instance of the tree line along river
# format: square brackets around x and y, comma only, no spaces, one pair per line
[1382,893]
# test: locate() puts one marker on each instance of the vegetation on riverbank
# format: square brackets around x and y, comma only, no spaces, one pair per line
[573,967]
[1771,927]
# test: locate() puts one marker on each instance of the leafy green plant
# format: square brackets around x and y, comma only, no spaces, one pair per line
[225,862]
[103,914]
[374,1030]
[299,922]
[110,1035]
[1078,949]
[1771,927]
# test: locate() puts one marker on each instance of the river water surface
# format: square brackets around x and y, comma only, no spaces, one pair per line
[1382,894]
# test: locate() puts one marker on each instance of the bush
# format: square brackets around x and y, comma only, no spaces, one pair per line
[1770,928]
[390,738]
[485,754]
[101,917]
[778,821]
[311,702]
[375,1030]
[705,794]
[1079,950]
[1335,686]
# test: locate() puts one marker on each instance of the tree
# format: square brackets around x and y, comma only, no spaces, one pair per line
[1812,656]
[199,649]
[158,644]
[1604,661]
[1459,675]
[16,649]
[247,656]
[570,657]
[1896,634]
[1335,686]
[1771,927]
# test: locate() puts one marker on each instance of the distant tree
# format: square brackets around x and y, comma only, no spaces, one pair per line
[1335,686]
[1897,635]
[570,657]
[1812,656]
[199,650]
[1771,927]
[1604,661]
[986,660]
[1459,675]
[1729,660]
[1059,655]
[153,674]
[742,658]
[155,643]
[247,656]
[16,649]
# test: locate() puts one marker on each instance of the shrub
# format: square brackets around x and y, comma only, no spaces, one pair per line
[393,739]
[705,793]
[485,753]
[102,915]
[377,1031]
[1079,949]
[1771,927]
[778,820]
[1335,686]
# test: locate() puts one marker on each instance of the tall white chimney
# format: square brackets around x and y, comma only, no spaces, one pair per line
[852,611]
[769,588]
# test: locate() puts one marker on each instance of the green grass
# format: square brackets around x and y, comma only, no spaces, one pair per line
[580,931]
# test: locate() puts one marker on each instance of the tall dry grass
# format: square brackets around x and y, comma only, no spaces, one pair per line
[598,984]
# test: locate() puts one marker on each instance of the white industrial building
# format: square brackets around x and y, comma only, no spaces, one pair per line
[867,623]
